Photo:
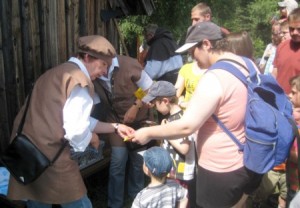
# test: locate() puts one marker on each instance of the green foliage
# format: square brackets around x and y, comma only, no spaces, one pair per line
[236,15]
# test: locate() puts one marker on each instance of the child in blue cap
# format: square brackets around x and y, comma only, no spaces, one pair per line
[160,192]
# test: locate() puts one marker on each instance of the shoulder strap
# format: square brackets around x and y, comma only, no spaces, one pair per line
[20,128]
[225,65]
[234,139]
[252,71]
[64,144]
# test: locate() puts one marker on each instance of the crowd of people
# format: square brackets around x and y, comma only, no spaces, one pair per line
[193,164]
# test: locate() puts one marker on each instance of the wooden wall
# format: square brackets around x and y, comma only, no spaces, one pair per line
[36,35]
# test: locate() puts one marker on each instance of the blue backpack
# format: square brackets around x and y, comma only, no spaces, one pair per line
[268,121]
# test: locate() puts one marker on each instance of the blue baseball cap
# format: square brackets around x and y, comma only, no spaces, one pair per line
[158,161]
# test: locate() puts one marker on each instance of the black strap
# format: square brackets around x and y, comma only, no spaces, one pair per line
[25,112]
[65,142]
[20,128]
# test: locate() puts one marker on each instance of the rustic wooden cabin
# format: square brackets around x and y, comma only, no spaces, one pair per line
[36,35]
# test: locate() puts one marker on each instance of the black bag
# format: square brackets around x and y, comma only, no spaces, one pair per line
[23,159]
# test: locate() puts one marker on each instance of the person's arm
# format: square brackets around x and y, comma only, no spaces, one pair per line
[183,195]
[152,68]
[144,83]
[121,129]
[95,142]
[179,85]
[136,202]
[201,106]
[182,145]
[76,118]
[183,203]
[263,61]
[275,64]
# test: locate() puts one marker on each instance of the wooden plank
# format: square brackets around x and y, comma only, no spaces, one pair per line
[17,54]
[33,43]
[98,22]
[82,18]
[72,25]
[91,17]
[7,92]
[61,32]
[7,45]
[4,124]
[52,34]
[43,16]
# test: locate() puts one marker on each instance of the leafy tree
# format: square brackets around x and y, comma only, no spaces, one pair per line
[236,15]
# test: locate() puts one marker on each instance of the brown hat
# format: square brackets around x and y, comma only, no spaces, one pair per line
[97,46]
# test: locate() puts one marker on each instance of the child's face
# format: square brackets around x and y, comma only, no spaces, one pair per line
[295,96]
[162,106]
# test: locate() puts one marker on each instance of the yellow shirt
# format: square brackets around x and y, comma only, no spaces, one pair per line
[191,74]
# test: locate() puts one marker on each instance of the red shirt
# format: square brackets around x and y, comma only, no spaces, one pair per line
[287,62]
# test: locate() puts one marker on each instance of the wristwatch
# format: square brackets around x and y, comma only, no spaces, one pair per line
[116,126]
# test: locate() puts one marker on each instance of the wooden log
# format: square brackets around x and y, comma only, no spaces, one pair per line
[61,32]
[7,84]
[72,26]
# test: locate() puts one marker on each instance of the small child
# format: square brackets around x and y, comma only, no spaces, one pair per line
[160,192]
[162,95]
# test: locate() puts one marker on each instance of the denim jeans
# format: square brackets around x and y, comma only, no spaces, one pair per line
[117,170]
[84,202]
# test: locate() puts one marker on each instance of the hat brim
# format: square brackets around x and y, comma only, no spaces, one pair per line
[148,98]
[185,47]
[281,4]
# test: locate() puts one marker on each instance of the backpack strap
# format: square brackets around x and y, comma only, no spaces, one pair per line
[229,133]
[225,65]
[253,75]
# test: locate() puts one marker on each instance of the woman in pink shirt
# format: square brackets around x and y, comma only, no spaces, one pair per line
[222,179]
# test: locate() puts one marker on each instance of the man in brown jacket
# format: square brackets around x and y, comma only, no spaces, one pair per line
[60,107]
[117,90]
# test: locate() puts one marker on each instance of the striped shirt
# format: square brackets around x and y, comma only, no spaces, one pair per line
[165,195]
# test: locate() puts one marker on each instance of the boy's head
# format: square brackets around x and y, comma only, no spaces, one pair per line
[200,13]
[284,31]
[158,161]
[294,95]
[161,94]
